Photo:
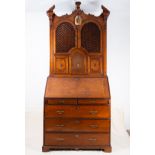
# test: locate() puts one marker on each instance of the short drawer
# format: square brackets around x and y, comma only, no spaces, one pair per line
[83,111]
[93,101]
[78,139]
[62,101]
[76,125]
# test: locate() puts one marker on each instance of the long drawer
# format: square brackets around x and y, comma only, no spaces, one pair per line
[81,139]
[76,125]
[84,111]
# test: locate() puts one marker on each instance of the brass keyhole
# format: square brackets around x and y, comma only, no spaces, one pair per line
[77,136]
[78,65]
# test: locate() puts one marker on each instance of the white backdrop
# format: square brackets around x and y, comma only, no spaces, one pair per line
[37,48]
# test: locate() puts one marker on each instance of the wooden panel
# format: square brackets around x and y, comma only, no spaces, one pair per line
[77,88]
[78,62]
[83,111]
[92,101]
[76,125]
[61,64]
[95,65]
[76,139]
[62,101]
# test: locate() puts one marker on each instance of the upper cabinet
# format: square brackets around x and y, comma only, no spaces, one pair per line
[78,43]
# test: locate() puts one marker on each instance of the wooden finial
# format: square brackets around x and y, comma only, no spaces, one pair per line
[105,13]
[77,5]
[105,10]
[50,10]
[51,14]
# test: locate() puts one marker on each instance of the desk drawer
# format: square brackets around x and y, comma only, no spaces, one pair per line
[62,101]
[81,139]
[76,125]
[83,111]
[92,101]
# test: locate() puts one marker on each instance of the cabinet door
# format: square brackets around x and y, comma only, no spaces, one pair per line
[90,37]
[65,37]
[78,62]
[61,64]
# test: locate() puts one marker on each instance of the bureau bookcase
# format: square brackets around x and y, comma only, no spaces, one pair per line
[77,100]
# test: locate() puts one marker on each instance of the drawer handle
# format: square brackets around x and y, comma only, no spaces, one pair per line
[60,139]
[61,101]
[93,112]
[92,139]
[60,112]
[93,126]
[60,125]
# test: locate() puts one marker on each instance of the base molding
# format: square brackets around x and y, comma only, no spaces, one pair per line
[46,148]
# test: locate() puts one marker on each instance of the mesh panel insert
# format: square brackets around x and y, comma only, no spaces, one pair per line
[65,37]
[90,37]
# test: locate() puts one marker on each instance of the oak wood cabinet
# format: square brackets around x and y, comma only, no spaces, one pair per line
[77,98]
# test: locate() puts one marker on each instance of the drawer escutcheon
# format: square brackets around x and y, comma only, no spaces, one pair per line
[77,121]
[61,101]
[92,101]
[77,136]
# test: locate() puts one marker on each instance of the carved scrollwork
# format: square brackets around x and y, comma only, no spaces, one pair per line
[105,13]
[51,14]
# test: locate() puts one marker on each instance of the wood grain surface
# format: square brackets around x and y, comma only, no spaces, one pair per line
[77,88]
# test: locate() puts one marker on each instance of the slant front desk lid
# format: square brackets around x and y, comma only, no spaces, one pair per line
[77,88]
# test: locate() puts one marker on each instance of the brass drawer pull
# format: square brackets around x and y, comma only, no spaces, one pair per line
[93,112]
[60,125]
[60,139]
[92,139]
[60,112]
[93,126]
[61,101]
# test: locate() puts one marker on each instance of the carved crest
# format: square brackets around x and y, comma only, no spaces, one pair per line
[78,20]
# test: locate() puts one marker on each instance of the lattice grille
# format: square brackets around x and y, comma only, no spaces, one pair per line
[65,37]
[90,37]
